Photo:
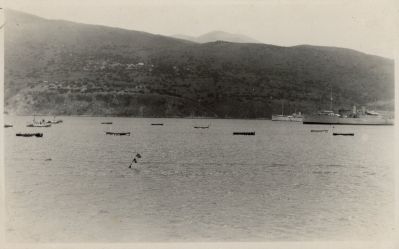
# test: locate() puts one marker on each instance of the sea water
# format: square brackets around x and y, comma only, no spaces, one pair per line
[285,183]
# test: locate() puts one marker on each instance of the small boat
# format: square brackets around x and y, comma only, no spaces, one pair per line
[54,121]
[201,127]
[318,130]
[106,122]
[117,133]
[160,124]
[295,117]
[343,134]
[29,134]
[7,126]
[247,133]
[39,125]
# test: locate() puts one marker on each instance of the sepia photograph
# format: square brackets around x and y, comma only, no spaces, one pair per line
[226,124]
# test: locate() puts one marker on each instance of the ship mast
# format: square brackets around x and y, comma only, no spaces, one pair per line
[282,107]
[331,100]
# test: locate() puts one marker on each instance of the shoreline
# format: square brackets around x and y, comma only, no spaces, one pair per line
[100,116]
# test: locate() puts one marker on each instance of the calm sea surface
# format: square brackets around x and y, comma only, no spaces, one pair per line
[285,183]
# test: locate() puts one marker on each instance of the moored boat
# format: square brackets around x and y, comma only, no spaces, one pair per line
[318,130]
[244,133]
[37,134]
[201,127]
[117,133]
[39,125]
[295,117]
[343,134]
[54,121]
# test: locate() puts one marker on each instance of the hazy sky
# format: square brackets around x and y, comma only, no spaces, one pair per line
[364,25]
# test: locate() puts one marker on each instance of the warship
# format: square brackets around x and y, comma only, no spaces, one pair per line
[348,117]
[362,117]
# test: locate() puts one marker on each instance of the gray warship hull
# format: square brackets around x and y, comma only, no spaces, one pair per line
[335,120]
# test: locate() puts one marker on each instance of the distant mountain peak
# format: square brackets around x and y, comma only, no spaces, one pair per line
[218,35]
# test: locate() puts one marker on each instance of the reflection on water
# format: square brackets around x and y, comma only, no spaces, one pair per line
[285,183]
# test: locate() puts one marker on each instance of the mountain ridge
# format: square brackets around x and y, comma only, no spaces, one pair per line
[61,67]
[218,35]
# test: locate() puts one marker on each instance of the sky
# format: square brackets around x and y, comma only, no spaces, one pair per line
[363,25]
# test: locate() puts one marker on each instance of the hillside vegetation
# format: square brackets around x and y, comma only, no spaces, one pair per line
[58,67]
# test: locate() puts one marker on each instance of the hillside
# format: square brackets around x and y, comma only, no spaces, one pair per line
[59,67]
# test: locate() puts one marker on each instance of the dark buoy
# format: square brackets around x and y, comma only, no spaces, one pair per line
[134,161]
